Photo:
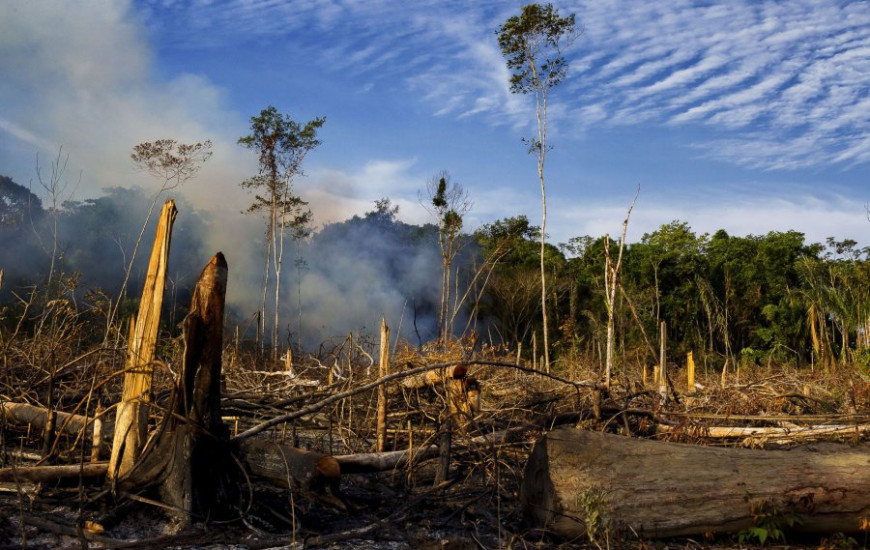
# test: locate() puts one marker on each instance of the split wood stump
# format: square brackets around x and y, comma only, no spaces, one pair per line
[189,462]
[131,422]
[657,489]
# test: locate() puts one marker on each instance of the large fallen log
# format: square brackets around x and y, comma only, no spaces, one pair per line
[656,489]
[290,467]
[24,413]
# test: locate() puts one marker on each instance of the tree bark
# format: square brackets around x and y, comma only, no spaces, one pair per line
[189,461]
[383,370]
[132,415]
[290,467]
[39,474]
[657,489]
[24,413]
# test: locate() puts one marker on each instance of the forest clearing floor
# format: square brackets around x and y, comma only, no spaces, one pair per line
[476,506]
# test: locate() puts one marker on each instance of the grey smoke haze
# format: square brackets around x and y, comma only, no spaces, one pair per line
[365,268]
[351,273]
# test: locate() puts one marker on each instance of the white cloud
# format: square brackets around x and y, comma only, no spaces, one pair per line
[792,71]
[336,195]
[815,216]
[763,84]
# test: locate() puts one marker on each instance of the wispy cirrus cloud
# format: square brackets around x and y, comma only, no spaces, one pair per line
[750,73]
[763,84]
[777,85]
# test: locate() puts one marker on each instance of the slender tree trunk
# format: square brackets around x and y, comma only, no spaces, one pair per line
[611,281]
[541,101]
[279,261]
[445,290]
[266,264]
[273,353]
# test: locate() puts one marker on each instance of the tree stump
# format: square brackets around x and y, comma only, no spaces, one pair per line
[131,422]
[189,461]
[657,489]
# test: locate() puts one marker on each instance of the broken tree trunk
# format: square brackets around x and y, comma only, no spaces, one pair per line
[131,424]
[656,489]
[189,461]
[383,370]
[39,474]
[290,467]
[24,413]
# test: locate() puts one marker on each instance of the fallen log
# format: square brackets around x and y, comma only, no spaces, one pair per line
[780,433]
[657,489]
[381,462]
[39,474]
[24,413]
[290,467]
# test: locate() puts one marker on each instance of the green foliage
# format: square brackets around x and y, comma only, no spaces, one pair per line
[862,360]
[596,516]
[769,523]
[532,44]
[750,357]
[17,203]
[838,541]
[439,201]
[281,144]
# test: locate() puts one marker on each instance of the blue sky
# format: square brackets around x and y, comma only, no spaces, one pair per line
[751,116]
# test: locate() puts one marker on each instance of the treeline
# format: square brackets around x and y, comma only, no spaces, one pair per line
[750,300]
[757,299]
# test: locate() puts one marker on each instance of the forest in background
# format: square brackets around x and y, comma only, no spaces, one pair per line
[731,300]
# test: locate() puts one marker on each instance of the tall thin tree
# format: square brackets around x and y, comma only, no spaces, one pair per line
[611,283]
[532,43]
[449,203]
[282,145]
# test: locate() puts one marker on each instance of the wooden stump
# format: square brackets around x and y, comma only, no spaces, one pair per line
[189,462]
[131,422]
[658,489]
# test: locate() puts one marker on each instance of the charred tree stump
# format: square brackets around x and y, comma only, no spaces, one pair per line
[445,440]
[189,461]
[656,489]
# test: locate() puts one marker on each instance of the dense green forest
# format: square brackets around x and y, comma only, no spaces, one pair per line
[747,300]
